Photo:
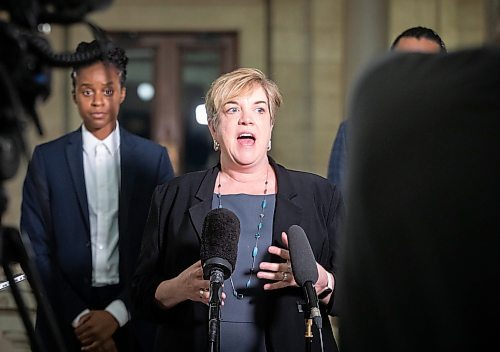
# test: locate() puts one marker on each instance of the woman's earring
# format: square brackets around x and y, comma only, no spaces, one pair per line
[216,145]
[269,146]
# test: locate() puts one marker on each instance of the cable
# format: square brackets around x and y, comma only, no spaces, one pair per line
[321,339]
[42,47]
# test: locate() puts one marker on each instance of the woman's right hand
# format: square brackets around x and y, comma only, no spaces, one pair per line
[189,284]
[195,287]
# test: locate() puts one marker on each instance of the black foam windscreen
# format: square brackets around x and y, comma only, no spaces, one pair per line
[220,236]
[301,256]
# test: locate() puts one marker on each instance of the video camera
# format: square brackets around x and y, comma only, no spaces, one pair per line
[25,61]
[26,58]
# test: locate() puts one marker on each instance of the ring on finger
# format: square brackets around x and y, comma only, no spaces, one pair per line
[285,276]
[202,292]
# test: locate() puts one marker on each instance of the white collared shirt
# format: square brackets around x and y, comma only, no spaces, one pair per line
[101,165]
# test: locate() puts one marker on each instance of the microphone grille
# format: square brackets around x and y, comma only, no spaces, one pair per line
[301,256]
[220,236]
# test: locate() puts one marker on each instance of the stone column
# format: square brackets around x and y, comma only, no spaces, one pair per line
[367,23]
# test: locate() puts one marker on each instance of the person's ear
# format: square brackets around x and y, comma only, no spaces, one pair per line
[212,129]
[123,94]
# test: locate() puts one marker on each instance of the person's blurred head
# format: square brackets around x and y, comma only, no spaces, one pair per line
[419,39]
[99,87]
[235,83]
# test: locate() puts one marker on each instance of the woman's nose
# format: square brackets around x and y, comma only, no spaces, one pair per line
[98,99]
[245,117]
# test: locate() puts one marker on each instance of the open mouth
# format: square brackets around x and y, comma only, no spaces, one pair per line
[246,136]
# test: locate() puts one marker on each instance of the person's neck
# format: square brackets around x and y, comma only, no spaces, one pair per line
[246,176]
[249,180]
[104,132]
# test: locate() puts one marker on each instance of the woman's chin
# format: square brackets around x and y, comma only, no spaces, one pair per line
[247,156]
[249,161]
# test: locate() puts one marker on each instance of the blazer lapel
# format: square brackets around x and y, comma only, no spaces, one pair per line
[128,173]
[204,194]
[287,213]
[74,157]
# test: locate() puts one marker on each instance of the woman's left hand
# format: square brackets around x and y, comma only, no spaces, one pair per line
[279,272]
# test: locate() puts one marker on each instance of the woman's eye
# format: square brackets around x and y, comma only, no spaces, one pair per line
[261,110]
[108,92]
[87,92]
[232,110]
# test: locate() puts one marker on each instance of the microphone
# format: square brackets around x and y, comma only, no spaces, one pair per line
[304,269]
[219,244]
[218,251]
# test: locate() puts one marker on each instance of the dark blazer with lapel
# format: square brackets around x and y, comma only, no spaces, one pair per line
[55,216]
[171,243]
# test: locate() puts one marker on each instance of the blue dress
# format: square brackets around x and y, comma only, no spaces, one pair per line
[242,322]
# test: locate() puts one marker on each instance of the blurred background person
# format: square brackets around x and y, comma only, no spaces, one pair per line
[260,311]
[420,267]
[420,40]
[415,39]
[85,201]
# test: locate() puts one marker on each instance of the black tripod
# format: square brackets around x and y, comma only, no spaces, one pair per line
[16,248]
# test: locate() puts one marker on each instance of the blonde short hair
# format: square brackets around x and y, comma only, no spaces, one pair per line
[234,83]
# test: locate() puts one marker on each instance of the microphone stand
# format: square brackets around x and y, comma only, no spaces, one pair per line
[312,313]
[216,281]
[309,335]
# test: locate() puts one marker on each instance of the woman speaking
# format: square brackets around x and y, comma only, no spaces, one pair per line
[261,309]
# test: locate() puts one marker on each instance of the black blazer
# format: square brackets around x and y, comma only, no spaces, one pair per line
[172,239]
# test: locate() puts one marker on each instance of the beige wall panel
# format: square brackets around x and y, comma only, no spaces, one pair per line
[192,3]
[472,29]
[328,29]
[449,24]
[289,46]
[247,20]
[290,132]
[288,15]
[328,111]
[410,13]
[290,136]
[460,23]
